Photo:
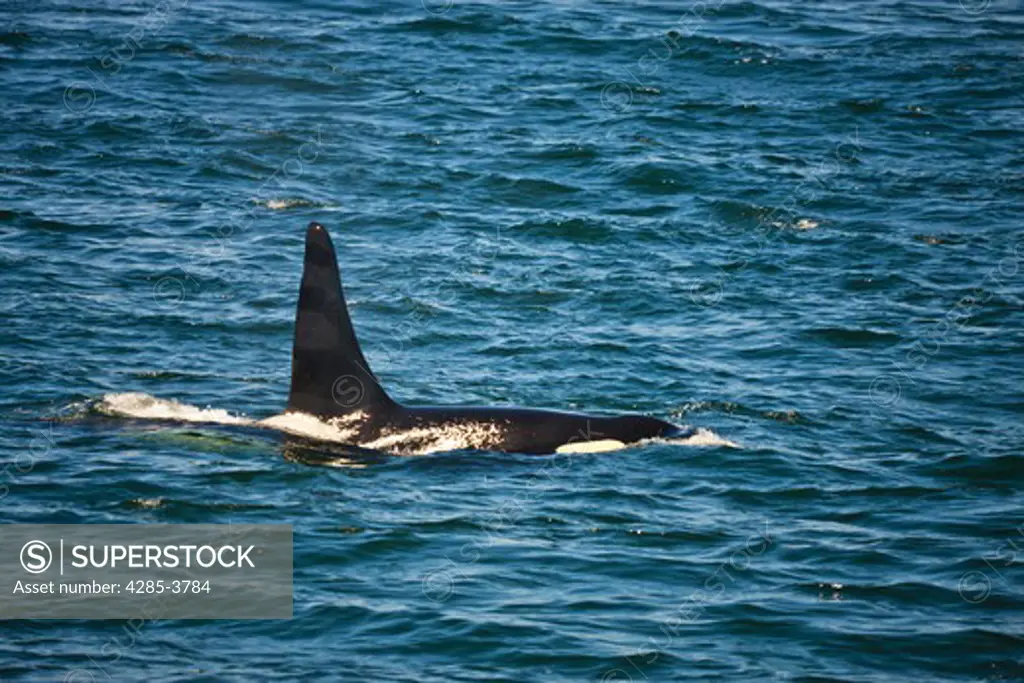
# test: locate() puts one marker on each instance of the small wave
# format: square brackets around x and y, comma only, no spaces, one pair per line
[146,503]
[279,204]
[702,437]
[655,178]
[15,38]
[801,224]
[466,23]
[251,41]
[865,106]
[144,406]
[848,337]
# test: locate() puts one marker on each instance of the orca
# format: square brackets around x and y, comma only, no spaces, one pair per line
[332,381]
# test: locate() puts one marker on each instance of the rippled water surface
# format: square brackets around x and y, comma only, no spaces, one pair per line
[795,225]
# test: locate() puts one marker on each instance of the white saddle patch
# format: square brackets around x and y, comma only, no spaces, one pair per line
[598,446]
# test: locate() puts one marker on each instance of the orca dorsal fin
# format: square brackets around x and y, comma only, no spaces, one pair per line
[330,376]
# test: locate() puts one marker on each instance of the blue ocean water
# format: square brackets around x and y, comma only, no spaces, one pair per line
[795,225]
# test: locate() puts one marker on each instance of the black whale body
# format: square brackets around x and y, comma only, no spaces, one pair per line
[332,380]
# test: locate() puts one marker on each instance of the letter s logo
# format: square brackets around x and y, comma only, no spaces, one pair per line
[36,557]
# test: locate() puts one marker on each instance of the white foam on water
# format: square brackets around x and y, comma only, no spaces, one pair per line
[705,437]
[344,464]
[144,406]
[700,437]
[279,204]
